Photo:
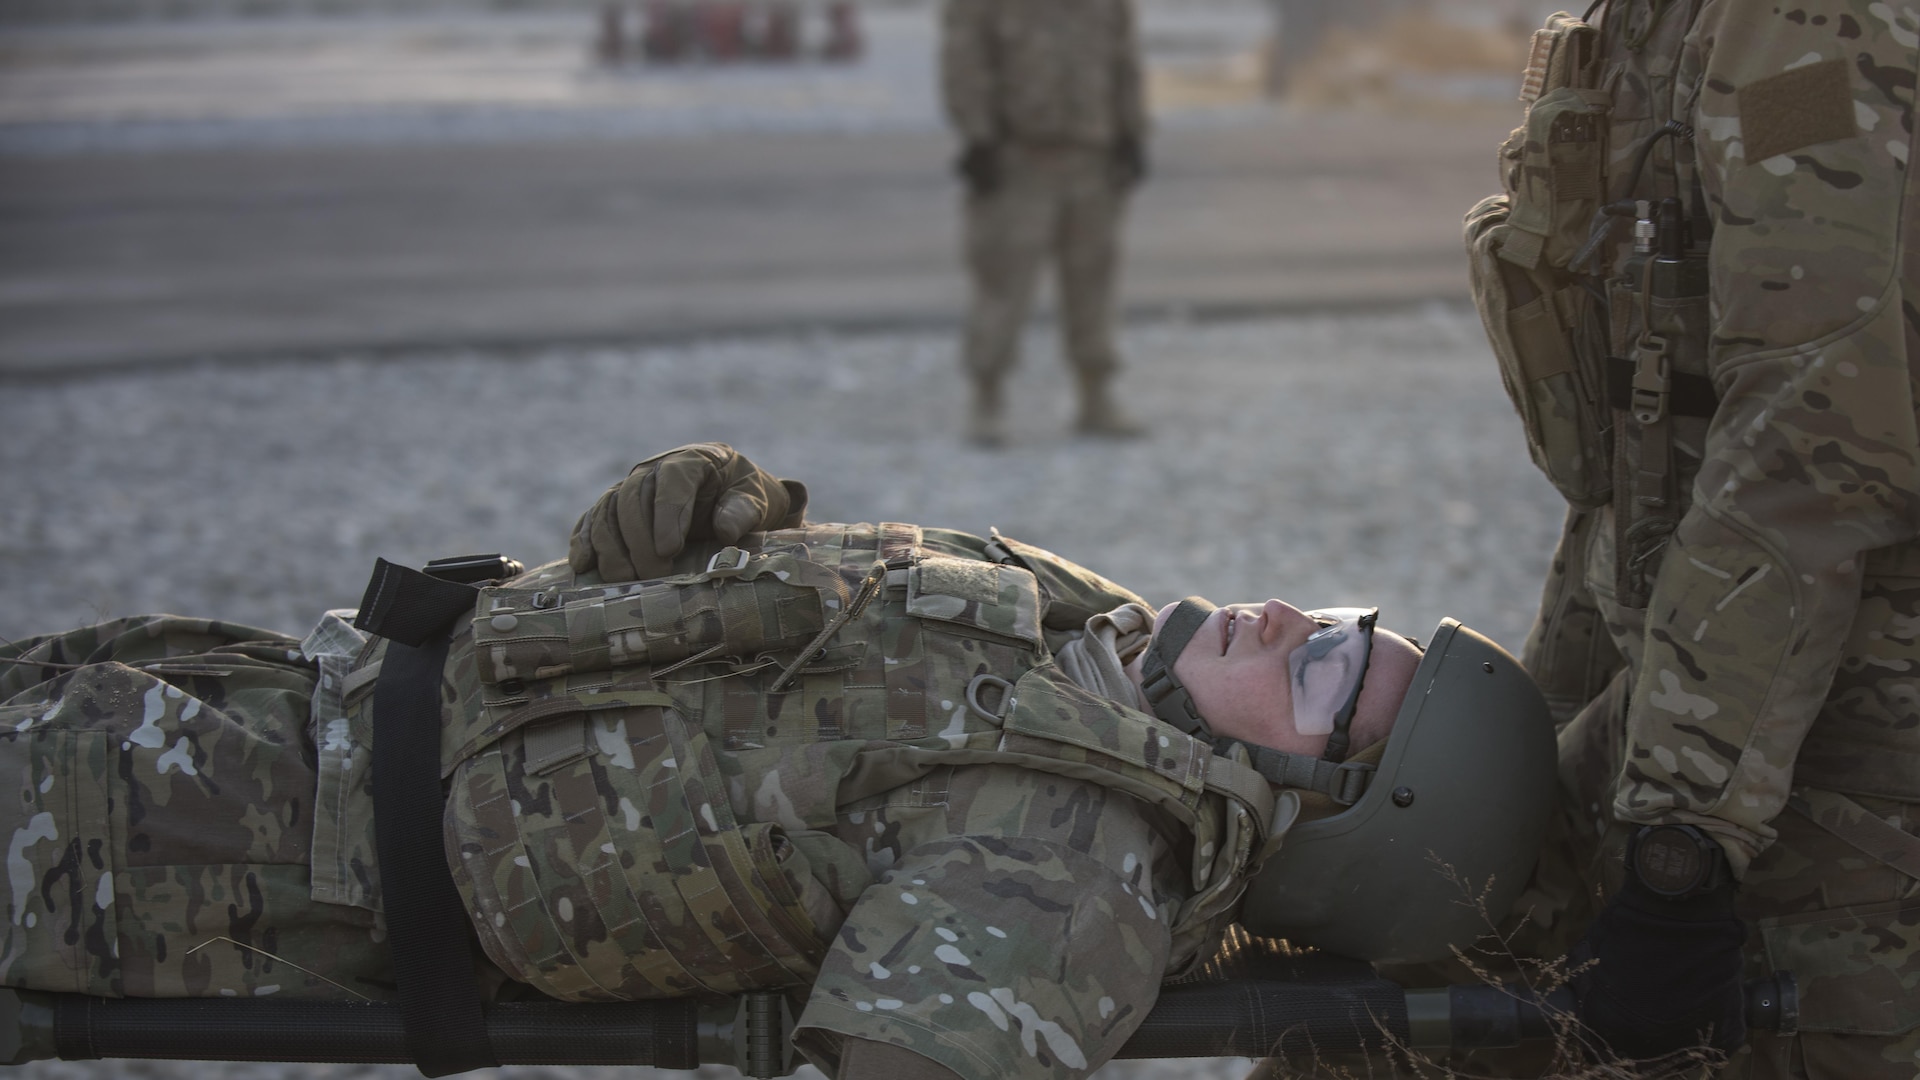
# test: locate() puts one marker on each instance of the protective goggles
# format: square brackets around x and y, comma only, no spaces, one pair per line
[1327,672]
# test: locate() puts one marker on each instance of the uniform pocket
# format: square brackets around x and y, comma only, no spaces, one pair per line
[1854,966]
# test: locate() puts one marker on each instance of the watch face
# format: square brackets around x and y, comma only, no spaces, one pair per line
[1669,860]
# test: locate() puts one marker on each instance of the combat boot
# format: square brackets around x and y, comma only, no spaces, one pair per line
[987,424]
[1101,414]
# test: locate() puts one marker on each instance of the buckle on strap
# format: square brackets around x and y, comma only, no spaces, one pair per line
[1652,380]
[727,562]
[1169,701]
[1349,781]
[1344,783]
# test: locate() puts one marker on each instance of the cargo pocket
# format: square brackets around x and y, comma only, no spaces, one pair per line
[1532,319]
[1854,966]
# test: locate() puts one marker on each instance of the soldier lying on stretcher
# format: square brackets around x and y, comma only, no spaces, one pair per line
[967,802]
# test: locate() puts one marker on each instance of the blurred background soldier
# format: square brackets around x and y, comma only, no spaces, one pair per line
[1047,98]
[1700,283]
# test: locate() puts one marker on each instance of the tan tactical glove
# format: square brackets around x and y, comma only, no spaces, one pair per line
[705,491]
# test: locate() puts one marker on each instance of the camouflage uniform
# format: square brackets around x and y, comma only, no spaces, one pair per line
[838,761]
[1055,87]
[1732,625]
[166,824]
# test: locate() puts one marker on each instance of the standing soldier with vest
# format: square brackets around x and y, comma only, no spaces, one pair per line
[1048,101]
[1702,285]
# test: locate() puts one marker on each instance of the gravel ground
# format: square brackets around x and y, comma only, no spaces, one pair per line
[1321,459]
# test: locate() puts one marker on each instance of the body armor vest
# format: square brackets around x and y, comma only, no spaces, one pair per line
[644,777]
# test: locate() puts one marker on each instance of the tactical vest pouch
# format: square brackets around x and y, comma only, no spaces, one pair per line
[541,652]
[1532,318]
[1522,245]
[1002,600]
[602,862]
[1553,167]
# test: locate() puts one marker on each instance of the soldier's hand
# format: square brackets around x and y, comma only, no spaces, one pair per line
[706,491]
[1665,972]
[1130,161]
[979,165]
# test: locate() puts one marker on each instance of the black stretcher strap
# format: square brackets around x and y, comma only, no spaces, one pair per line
[427,928]
[1687,395]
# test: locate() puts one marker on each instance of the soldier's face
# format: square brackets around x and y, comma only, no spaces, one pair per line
[1236,669]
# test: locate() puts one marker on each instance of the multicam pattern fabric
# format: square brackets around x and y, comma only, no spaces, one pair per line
[1753,572]
[160,841]
[1042,71]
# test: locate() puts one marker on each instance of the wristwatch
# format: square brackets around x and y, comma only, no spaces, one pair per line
[1676,861]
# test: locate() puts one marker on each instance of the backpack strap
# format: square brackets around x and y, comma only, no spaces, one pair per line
[426,919]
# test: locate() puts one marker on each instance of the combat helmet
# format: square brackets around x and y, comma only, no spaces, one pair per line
[1458,802]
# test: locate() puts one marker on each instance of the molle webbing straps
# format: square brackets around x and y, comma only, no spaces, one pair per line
[427,924]
[1164,695]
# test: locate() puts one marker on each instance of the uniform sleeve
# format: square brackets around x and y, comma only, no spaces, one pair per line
[1130,82]
[967,68]
[1802,135]
[1028,943]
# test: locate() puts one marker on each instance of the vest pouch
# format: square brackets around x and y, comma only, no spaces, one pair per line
[1554,168]
[1002,600]
[760,604]
[602,862]
[1532,318]
[535,652]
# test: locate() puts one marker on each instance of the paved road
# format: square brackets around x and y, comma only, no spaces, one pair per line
[110,259]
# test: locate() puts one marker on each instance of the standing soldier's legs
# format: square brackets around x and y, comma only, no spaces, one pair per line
[1008,232]
[158,782]
[1088,243]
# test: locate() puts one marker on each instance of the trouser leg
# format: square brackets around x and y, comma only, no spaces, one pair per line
[1088,246]
[1007,233]
[162,828]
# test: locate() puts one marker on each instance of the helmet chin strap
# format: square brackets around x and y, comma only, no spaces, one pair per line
[1165,696]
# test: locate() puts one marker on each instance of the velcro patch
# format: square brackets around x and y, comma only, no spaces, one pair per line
[1782,113]
[975,581]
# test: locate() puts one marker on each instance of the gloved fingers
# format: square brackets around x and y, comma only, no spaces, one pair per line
[797,496]
[610,556]
[679,484]
[580,555]
[746,509]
